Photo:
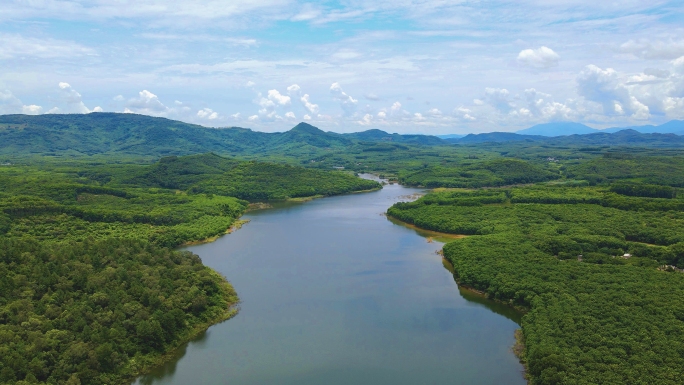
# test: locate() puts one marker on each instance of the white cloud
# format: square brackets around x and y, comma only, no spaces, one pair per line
[654,49]
[98,109]
[208,114]
[464,114]
[20,47]
[307,12]
[170,12]
[10,104]
[306,117]
[290,115]
[542,57]
[236,116]
[72,99]
[147,103]
[311,107]
[347,102]
[119,98]
[345,54]
[253,118]
[277,97]
[31,110]
[498,98]
[372,97]
[250,84]
[294,90]
[434,112]
[366,120]
[606,87]
[382,115]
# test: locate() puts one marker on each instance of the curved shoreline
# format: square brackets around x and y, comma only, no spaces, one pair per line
[518,347]
[231,311]
[159,360]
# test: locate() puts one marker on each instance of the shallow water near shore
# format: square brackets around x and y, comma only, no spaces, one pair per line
[334,293]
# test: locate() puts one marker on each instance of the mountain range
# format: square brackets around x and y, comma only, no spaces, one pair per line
[571,128]
[152,137]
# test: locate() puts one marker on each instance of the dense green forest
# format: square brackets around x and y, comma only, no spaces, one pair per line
[92,205]
[99,311]
[596,271]
[90,290]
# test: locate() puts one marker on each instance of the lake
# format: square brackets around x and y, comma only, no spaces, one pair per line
[332,292]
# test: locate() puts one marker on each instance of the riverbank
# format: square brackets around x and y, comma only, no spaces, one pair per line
[518,347]
[142,365]
[233,227]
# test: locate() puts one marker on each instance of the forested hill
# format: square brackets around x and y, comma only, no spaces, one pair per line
[126,135]
[140,135]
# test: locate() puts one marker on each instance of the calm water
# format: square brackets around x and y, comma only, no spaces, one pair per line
[334,293]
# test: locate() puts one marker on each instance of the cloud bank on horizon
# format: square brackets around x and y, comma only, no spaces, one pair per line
[408,66]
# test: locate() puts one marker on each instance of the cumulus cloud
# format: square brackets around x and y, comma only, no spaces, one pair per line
[73,100]
[306,117]
[464,114]
[498,98]
[268,109]
[208,114]
[294,90]
[372,96]
[10,104]
[347,102]
[311,107]
[147,103]
[366,120]
[605,87]
[290,115]
[542,57]
[434,112]
[277,97]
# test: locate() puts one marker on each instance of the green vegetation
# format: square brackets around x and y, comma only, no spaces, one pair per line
[99,312]
[90,291]
[499,172]
[88,211]
[594,315]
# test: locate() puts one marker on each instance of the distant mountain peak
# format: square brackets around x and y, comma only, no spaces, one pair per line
[307,128]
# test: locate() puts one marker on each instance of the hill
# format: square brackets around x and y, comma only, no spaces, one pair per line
[140,135]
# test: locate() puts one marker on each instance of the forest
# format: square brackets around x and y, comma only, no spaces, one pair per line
[595,271]
[583,233]
[91,289]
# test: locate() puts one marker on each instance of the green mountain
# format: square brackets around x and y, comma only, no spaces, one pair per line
[140,135]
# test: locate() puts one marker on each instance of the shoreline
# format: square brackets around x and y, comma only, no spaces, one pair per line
[237,225]
[518,348]
[152,362]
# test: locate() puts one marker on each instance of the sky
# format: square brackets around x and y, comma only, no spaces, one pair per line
[405,66]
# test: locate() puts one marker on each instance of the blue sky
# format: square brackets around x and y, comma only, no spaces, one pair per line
[407,66]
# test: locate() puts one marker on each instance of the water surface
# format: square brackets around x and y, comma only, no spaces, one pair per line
[334,293]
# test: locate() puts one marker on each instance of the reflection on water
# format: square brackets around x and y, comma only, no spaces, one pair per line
[334,293]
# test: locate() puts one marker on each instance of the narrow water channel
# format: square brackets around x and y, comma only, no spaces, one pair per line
[334,293]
